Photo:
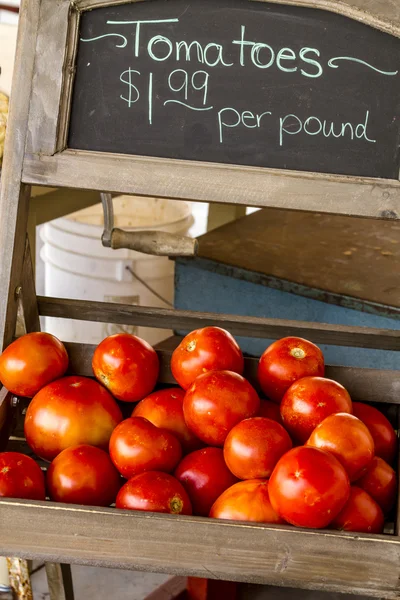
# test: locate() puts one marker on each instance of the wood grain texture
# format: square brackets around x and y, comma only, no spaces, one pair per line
[210,182]
[28,293]
[48,76]
[369,385]
[382,14]
[256,327]
[14,198]
[284,556]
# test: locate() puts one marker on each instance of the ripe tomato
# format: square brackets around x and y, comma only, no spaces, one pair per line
[127,366]
[254,446]
[137,445]
[83,475]
[20,477]
[216,402]
[347,438]
[380,482]
[154,492]
[380,428]
[309,401]
[165,410]
[361,513]
[246,501]
[270,410]
[204,475]
[308,487]
[286,361]
[203,350]
[31,362]
[69,412]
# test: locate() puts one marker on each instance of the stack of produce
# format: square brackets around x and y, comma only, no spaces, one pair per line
[305,454]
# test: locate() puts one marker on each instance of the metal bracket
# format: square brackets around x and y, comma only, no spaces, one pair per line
[157,243]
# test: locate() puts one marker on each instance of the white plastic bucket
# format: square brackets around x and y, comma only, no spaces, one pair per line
[78,266]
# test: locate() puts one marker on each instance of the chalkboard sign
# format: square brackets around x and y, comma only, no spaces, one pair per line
[238,82]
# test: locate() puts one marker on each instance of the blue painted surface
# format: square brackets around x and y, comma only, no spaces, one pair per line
[203,290]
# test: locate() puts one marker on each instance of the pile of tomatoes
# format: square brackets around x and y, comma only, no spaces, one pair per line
[306,455]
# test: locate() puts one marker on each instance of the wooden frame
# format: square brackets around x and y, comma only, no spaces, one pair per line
[35,154]
[48,162]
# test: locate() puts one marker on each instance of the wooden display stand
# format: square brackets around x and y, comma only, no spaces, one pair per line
[47,115]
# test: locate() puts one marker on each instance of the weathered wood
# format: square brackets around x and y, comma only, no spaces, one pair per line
[209,182]
[28,293]
[284,556]
[59,579]
[370,385]
[257,327]
[14,197]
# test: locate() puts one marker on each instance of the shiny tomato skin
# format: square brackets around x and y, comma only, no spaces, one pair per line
[83,475]
[254,446]
[203,350]
[246,501]
[380,482]
[69,412]
[127,366]
[286,361]
[154,492]
[380,428]
[204,475]
[270,410]
[309,401]
[164,409]
[348,439]
[308,487]
[21,477]
[31,362]
[137,445]
[216,402]
[360,514]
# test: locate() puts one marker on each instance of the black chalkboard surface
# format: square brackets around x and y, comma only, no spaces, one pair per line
[238,82]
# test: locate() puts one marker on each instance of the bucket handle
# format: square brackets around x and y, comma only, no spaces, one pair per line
[156,243]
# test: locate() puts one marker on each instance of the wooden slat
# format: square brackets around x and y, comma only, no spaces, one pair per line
[369,385]
[210,182]
[328,561]
[14,198]
[126,314]
[28,293]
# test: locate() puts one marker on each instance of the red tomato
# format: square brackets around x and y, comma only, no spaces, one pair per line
[286,361]
[380,428]
[83,475]
[347,438]
[361,513]
[20,477]
[154,492]
[165,410]
[309,401]
[69,412]
[31,362]
[246,501]
[216,402]
[380,483]
[137,445]
[254,446]
[270,410]
[203,350]
[127,366]
[309,487]
[204,475]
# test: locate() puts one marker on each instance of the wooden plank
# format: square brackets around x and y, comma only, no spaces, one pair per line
[367,385]
[340,335]
[14,198]
[283,556]
[48,76]
[28,293]
[382,14]
[205,182]
[59,579]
